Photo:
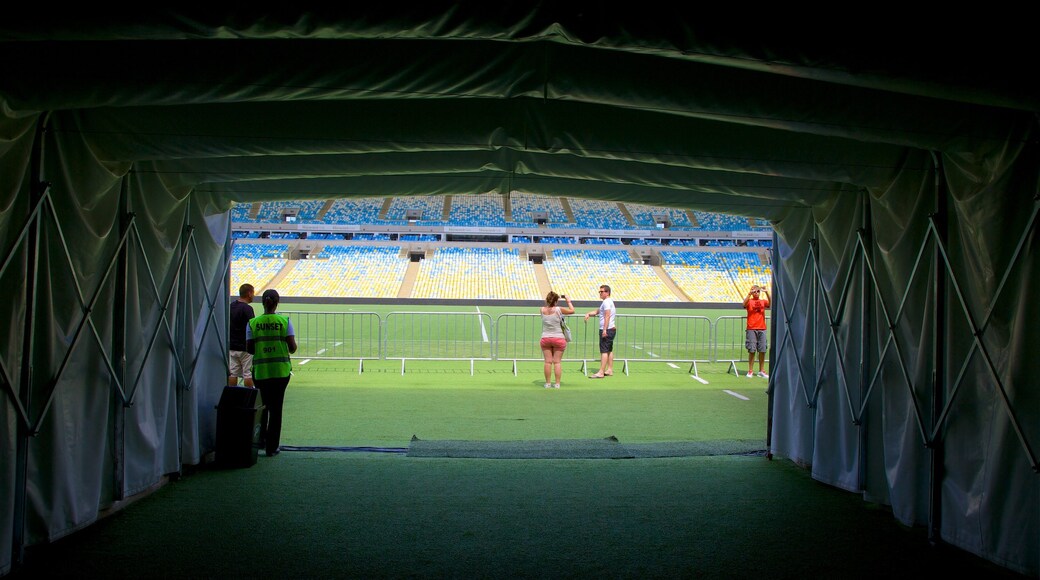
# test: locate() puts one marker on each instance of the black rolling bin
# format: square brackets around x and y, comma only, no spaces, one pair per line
[238,426]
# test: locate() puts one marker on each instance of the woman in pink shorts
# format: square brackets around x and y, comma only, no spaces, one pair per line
[553,342]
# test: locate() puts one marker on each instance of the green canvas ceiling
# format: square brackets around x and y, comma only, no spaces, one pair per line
[659,107]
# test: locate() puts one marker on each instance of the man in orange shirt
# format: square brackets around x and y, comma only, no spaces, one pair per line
[756,330]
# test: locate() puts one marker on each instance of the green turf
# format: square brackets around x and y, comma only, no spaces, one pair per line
[343,515]
[329,403]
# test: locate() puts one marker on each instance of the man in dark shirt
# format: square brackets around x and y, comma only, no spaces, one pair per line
[241,362]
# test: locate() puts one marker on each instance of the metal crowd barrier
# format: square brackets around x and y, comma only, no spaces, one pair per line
[730,338]
[667,339]
[438,336]
[337,336]
[475,336]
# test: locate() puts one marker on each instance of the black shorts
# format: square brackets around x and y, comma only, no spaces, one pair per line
[606,344]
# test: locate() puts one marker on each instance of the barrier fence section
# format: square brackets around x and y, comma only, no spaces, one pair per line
[476,336]
[730,341]
[438,336]
[667,339]
[337,336]
[517,337]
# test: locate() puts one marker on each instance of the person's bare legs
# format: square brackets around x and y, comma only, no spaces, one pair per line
[233,382]
[610,364]
[761,362]
[547,353]
[558,365]
[248,382]
[602,372]
[751,362]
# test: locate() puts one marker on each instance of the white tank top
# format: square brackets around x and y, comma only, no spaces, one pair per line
[551,324]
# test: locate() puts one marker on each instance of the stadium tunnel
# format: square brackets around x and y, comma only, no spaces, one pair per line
[901,180]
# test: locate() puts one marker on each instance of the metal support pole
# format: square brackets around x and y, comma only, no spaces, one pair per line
[771,387]
[183,330]
[866,297]
[119,345]
[939,355]
[37,190]
[814,316]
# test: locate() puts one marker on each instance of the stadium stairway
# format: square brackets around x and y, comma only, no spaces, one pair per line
[325,208]
[387,203]
[255,210]
[567,210]
[507,206]
[693,219]
[628,216]
[446,215]
[670,284]
[274,282]
[408,284]
[543,279]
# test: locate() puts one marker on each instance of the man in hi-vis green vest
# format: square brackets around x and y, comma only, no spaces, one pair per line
[270,339]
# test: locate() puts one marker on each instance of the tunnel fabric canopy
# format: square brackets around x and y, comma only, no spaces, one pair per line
[901,179]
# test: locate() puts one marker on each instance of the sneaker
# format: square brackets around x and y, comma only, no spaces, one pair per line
[761,374]
[556,386]
[750,374]
[548,385]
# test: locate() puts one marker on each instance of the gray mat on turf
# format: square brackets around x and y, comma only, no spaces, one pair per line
[607,448]
[697,448]
[544,449]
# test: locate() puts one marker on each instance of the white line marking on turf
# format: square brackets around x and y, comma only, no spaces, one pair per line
[304,361]
[636,346]
[337,344]
[741,397]
[652,354]
[321,351]
[696,378]
[673,366]
[483,331]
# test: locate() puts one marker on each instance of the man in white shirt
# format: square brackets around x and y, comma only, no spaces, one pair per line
[607,330]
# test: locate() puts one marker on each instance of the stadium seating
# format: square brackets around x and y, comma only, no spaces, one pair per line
[746,269]
[452,272]
[271,211]
[479,210]
[357,211]
[418,237]
[240,212]
[325,236]
[256,264]
[716,276]
[644,215]
[556,240]
[524,204]
[579,273]
[476,273]
[600,215]
[432,207]
[702,276]
[348,271]
[372,237]
[721,222]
